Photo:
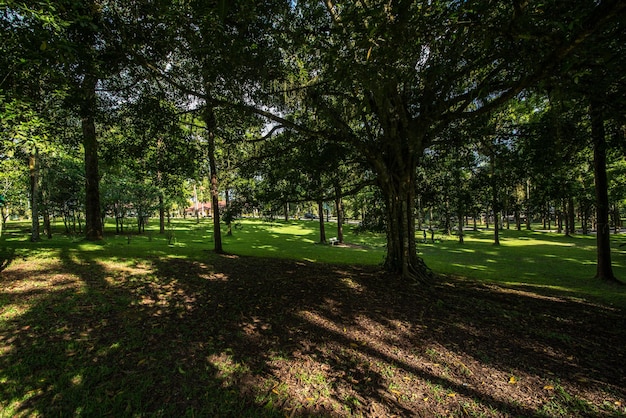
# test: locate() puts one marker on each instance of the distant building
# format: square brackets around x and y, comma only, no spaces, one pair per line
[203,208]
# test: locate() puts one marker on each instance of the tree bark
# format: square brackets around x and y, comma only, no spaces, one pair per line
[320,211]
[93,222]
[495,204]
[571,215]
[209,119]
[339,207]
[33,171]
[604,268]
[161,214]
[399,190]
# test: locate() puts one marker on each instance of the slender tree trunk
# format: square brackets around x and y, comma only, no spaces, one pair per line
[33,170]
[447,217]
[209,119]
[495,204]
[161,214]
[529,214]
[571,215]
[47,227]
[604,269]
[3,221]
[339,208]
[197,209]
[320,210]
[461,233]
[93,222]
[566,219]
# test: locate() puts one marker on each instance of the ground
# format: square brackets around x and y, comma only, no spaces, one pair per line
[264,337]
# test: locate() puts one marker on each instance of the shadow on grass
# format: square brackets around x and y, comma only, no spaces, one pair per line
[237,336]
[6,256]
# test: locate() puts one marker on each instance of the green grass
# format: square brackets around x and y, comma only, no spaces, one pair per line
[104,328]
[538,261]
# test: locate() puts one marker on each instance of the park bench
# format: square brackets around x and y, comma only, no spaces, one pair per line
[333,241]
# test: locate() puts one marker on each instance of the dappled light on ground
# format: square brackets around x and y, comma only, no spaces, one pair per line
[244,336]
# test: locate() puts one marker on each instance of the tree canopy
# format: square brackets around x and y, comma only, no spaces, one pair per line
[478,91]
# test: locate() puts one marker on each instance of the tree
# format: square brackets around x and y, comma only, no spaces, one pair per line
[222,53]
[391,77]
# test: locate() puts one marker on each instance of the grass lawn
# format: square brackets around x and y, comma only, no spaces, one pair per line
[143,325]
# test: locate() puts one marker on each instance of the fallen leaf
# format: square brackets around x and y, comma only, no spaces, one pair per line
[512,380]
[548,387]
[452,395]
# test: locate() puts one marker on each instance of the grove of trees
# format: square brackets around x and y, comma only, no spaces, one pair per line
[405,115]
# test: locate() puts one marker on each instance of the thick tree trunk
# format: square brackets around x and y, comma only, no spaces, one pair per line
[209,119]
[604,269]
[402,258]
[93,223]
[33,171]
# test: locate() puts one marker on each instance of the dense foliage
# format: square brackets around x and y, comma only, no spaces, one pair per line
[405,115]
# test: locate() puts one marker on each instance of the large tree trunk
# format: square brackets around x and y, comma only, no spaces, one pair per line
[604,269]
[93,222]
[33,171]
[399,191]
[209,119]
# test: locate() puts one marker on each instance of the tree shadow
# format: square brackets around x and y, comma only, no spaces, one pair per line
[7,255]
[239,336]
[94,344]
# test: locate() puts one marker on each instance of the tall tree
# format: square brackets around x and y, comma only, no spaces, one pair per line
[393,75]
[222,53]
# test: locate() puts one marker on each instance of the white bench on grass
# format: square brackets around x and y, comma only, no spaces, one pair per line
[333,241]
